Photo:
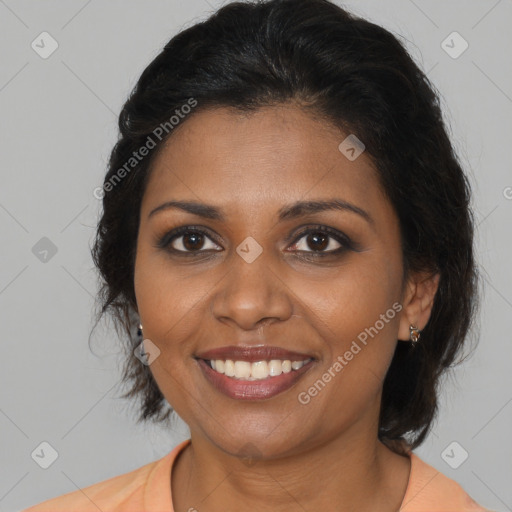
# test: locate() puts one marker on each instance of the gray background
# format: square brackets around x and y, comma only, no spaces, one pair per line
[58,124]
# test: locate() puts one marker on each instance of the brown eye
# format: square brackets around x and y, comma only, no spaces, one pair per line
[318,241]
[191,241]
[188,240]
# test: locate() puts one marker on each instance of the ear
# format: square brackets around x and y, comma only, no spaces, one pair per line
[418,299]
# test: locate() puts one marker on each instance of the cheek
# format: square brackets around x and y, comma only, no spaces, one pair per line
[149,292]
[169,319]
[357,316]
[166,299]
[359,327]
[353,298]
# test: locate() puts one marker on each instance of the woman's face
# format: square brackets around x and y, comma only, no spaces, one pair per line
[253,277]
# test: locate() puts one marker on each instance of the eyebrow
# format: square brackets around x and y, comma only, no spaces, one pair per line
[291,211]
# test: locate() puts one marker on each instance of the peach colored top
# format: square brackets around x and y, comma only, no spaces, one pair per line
[148,489]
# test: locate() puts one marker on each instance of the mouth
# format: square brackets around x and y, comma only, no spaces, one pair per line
[258,370]
[253,373]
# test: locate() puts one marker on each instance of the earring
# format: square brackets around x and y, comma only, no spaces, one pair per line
[139,330]
[414,333]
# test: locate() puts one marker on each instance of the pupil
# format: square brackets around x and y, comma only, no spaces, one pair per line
[196,243]
[315,237]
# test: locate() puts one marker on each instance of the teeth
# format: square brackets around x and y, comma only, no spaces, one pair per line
[275,368]
[229,368]
[258,370]
[242,370]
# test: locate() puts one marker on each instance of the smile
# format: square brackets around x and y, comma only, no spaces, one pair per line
[237,380]
[258,370]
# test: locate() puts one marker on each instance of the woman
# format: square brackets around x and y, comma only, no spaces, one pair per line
[287,225]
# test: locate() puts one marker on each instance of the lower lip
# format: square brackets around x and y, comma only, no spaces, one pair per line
[252,389]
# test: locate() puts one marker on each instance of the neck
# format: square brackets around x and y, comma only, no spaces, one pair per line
[354,470]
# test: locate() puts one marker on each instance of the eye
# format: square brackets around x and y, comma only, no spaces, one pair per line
[322,241]
[195,240]
[187,239]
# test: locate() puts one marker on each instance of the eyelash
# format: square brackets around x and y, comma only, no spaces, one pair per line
[346,244]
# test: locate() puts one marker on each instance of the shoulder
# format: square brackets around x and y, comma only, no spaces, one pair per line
[106,495]
[129,492]
[429,490]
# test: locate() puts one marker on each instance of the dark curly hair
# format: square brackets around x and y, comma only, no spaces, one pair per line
[355,75]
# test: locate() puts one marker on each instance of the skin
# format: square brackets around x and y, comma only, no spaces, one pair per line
[251,166]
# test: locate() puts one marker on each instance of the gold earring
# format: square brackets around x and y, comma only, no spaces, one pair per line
[414,333]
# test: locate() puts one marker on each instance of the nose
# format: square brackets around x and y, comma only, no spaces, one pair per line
[251,294]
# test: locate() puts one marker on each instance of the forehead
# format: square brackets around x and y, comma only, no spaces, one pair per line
[272,155]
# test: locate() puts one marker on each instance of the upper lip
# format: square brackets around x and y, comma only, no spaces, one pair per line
[252,354]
